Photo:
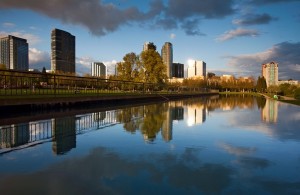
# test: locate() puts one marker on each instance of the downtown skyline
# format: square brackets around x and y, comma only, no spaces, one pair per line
[232,37]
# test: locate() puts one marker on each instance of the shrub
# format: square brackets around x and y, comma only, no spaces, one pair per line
[297,93]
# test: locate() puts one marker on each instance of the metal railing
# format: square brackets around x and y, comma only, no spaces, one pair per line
[14,83]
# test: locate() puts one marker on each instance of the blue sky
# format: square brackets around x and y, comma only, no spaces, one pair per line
[231,36]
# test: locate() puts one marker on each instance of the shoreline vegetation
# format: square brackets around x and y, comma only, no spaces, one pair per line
[285,99]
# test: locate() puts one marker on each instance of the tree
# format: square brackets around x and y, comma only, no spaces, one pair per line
[2,67]
[297,93]
[152,67]
[210,75]
[261,85]
[128,69]
[151,46]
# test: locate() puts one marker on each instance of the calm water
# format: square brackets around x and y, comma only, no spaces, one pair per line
[217,145]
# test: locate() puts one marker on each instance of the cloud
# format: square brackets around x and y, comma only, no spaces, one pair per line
[98,17]
[265,2]
[39,59]
[240,32]
[286,54]
[31,38]
[188,14]
[83,65]
[102,18]
[191,27]
[238,151]
[8,25]
[110,65]
[172,36]
[206,8]
[254,19]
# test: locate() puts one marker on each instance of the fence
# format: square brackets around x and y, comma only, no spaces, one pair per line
[14,83]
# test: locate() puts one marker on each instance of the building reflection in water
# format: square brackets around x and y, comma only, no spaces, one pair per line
[149,120]
[64,134]
[195,114]
[269,113]
[14,135]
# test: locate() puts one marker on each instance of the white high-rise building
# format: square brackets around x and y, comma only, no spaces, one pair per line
[99,69]
[270,72]
[196,69]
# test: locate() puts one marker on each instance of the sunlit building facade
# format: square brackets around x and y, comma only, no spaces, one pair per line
[14,53]
[62,51]
[196,69]
[167,57]
[99,70]
[270,73]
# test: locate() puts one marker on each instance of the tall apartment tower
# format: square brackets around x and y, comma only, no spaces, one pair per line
[62,51]
[270,72]
[167,57]
[14,53]
[197,69]
[99,70]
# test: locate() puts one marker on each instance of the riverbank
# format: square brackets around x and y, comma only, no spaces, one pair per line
[19,105]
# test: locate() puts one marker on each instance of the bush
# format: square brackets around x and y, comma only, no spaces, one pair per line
[297,93]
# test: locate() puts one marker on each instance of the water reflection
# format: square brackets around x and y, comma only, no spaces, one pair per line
[270,111]
[105,172]
[219,145]
[149,120]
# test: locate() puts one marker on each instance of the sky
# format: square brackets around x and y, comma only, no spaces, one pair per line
[232,36]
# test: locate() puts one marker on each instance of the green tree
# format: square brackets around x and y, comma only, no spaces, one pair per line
[152,67]
[261,85]
[287,89]
[297,93]
[128,70]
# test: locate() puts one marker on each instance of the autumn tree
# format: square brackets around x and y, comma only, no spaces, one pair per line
[129,69]
[2,67]
[152,67]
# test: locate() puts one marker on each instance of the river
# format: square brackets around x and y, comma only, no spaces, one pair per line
[236,144]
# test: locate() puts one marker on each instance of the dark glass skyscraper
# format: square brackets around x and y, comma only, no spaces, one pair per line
[62,51]
[14,53]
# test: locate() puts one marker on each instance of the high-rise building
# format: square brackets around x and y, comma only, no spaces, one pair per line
[62,51]
[14,53]
[99,70]
[270,72]
[196,69]
[178,70]
[167,57]
[145,46]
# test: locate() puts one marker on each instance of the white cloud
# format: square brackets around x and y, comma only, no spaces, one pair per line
[240,32]
[83,65]
[172,36]
[31,38]
[8,25]
[110,65]
[38,59]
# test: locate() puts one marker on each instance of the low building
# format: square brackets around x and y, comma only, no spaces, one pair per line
[291,82]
